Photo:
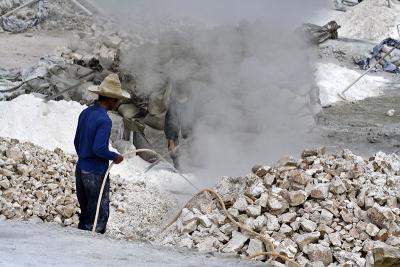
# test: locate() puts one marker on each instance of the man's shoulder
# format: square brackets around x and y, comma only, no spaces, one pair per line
[87,110]
[104,119]
[95,115]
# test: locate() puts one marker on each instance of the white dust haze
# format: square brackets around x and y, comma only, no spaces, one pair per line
[250,77]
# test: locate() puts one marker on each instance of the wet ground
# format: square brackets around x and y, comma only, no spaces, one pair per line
[363,126]
[32,245]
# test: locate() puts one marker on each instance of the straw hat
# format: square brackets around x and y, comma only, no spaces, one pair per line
[110,87]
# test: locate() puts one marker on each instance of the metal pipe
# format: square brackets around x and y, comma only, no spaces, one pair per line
[341,94]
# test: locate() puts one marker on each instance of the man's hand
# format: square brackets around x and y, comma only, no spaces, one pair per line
[119,159]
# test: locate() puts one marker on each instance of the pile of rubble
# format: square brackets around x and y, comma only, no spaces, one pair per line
[320,210]
[68,73]
[39,185]
[21,16]
[370,20]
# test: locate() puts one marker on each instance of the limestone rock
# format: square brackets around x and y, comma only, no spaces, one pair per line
[386,256]
[208,244]
[277,204]
[261,171]
[299,177]
[205,221]
[381,216]
[240,204]
[263,200]
[287,247]
[187,228]
[319,191]
[372,230]
[187,216]
[23,169]
[253,210]
[68,211]
[288,217]
[14,153]
[335,239]
[257,189]
[337,186]
[308,226]
[286,229]
[296,198]
[236,243]
[309,152]
[5,184]
[326,217]
[317,252]
[303,240]
[255,246]
[272,223]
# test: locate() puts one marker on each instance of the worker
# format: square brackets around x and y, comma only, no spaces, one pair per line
[92,146]
[177,121]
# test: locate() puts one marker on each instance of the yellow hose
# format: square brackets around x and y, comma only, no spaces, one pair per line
[268,243]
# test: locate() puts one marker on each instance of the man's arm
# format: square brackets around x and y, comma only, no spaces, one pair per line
[101,141]
[76,139]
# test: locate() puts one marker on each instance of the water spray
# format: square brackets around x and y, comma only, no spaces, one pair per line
[125,155]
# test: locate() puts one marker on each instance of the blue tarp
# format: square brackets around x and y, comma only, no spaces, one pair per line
[387,66]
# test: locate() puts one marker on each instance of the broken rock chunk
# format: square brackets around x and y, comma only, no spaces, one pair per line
[381,216]
[253,210]
[277,204]
[385,255]
[303,240]
[240,204]
[317,252]
[372,230]
[319,191]
[236,243]
[296,198]
[337,186]
[299,177]
[307,225]
[255,246]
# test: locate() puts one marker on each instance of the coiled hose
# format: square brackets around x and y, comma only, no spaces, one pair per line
[268,243]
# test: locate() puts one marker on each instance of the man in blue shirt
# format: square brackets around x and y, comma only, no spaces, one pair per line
[91,144]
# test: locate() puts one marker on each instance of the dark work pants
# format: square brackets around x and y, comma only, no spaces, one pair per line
[87,190]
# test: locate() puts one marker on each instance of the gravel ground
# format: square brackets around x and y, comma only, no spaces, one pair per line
[363,126]
[24,50]
[32,245]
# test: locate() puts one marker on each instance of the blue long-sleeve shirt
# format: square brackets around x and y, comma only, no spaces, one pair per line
[92,140]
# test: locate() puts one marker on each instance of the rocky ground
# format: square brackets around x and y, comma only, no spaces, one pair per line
[38,185]
[323,209]
[320,210]
[363,126]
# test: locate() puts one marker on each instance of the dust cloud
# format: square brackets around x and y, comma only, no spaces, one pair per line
[248,72]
